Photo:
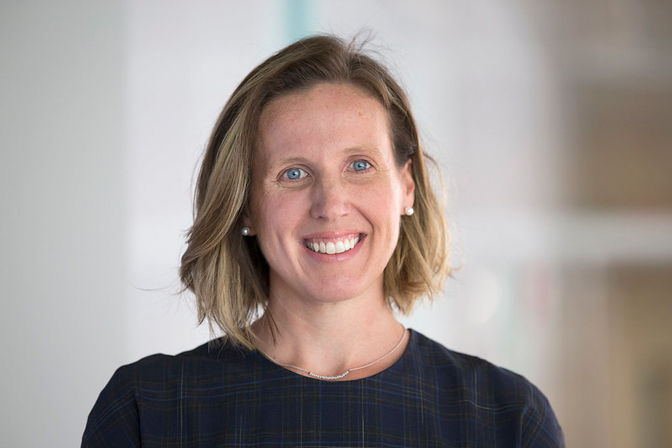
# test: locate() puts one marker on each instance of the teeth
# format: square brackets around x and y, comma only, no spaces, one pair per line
[330,247]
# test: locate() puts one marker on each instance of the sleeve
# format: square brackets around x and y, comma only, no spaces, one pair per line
[114,419]
[540,426]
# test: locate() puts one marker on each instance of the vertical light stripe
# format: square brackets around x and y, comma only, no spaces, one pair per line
[297,19]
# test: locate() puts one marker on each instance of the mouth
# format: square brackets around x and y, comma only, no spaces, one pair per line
[332,246]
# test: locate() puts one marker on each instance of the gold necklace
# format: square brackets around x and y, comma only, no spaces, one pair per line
[344,374]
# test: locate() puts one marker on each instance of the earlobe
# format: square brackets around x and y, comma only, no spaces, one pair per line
[247,229]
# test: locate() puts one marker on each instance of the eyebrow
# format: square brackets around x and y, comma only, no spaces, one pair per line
[365,149]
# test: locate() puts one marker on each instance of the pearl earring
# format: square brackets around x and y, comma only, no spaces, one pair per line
[409,211]
[245,231]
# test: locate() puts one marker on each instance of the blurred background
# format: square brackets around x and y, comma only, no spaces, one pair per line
[551,122]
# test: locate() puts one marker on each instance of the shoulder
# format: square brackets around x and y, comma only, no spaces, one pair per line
[155,379]
[162,370]
[494,395]
[198,360]
[478,375]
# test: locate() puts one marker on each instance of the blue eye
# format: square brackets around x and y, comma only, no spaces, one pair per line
[294,174]
[361,165]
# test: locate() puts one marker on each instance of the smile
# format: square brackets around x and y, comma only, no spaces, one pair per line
[331,247]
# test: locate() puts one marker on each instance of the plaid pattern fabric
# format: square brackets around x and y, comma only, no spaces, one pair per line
[432,397]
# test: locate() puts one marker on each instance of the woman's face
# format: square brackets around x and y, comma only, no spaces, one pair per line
[327,196]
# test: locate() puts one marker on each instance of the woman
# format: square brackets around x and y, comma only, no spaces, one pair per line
[314,211]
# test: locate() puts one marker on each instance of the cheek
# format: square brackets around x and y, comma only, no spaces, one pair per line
[386,196]
[382,204]
[276,216]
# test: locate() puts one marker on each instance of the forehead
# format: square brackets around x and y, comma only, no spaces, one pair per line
[325,114]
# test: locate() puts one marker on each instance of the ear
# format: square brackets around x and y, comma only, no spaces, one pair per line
[408,185]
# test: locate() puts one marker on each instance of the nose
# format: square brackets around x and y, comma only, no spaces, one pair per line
[329,200]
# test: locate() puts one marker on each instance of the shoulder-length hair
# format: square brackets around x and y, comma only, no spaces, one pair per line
[227,272]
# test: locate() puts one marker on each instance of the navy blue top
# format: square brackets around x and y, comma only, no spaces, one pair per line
[211,397]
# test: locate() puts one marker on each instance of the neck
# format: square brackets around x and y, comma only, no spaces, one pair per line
[330,338]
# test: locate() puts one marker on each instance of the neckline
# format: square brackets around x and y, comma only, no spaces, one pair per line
[412,342]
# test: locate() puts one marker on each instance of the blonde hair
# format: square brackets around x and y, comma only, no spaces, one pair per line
[227,272]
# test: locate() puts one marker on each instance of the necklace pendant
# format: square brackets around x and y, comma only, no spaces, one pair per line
[330,378]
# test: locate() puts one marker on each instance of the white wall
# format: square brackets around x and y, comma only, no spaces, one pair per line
[62,226]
